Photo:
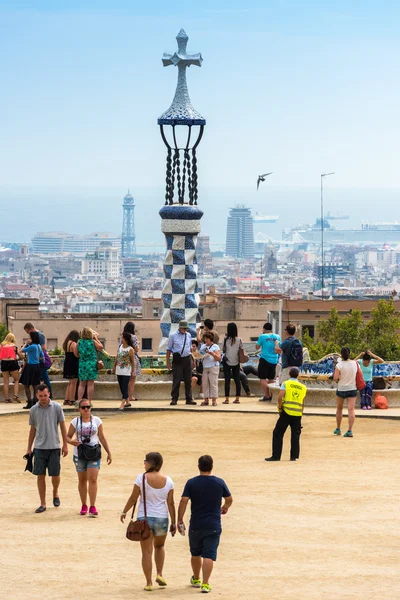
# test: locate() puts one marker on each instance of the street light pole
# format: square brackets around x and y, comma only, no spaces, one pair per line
[322,233]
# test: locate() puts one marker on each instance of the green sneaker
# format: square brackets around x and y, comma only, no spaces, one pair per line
[337,431]
[348,434]
[205,588]
[195,582]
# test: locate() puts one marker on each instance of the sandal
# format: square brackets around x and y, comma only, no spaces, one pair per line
[7,401]
[204,403]
[226,401]
[214,403]
[237,401]
[66,403]
[16,399]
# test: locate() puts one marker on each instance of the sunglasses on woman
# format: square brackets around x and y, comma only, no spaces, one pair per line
[85,406]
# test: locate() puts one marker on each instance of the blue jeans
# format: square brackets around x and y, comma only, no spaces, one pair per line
[44,376]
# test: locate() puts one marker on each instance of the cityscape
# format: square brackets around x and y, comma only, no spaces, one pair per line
[199,299]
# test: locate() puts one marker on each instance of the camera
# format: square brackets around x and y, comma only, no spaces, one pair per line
[86,440]
[201,326]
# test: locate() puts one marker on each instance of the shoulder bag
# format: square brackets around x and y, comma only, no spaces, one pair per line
[177,356]
[224,358]
[243,357]
[139,530]
[360,383]
[87,452]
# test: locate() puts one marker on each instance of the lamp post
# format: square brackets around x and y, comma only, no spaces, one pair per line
[322,232]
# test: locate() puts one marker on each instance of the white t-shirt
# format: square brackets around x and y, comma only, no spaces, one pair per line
[155,499]
[86,431]
[348,372]
[208,361]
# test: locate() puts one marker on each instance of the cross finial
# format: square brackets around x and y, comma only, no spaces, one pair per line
[181,110]
[181,58]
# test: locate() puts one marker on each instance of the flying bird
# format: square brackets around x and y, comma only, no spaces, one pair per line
[262,178]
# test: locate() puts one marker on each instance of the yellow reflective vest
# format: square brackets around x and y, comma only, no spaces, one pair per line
[293,399]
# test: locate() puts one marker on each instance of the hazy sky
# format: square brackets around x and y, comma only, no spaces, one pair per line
[292,87]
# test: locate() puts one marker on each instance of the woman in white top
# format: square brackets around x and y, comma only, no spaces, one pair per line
[345,375]
[124,363]
[212,356]
[159,501]
[88,430]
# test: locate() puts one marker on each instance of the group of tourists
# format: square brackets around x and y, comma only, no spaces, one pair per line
[152,491]
[82,364]
[80,369]
[36,363]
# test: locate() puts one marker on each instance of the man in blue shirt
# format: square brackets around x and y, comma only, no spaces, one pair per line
[205,493]
[180,346]
[267,342]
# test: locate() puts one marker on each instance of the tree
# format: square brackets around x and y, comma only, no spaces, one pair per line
[379,334]
[382,336]
[3,331]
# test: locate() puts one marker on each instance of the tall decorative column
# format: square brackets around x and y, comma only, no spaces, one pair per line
[181,128]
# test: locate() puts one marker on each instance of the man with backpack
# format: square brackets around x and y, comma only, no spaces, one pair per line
[292,352]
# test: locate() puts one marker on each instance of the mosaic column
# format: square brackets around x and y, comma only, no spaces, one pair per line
[181,128]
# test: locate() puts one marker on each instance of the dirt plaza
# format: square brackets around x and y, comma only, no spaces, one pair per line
[326,526]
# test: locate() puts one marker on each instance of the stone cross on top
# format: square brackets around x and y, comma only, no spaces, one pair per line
[181,111]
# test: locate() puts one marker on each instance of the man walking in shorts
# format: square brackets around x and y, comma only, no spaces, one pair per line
[267,341]
[205,493]
[44,418]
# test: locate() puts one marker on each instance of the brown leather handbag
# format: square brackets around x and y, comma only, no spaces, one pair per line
[243,357]
[138,531]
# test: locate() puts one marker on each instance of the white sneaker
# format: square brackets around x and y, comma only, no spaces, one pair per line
[201,396]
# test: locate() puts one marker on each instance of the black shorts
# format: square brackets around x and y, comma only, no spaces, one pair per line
[47,459]
[198,377]
[9,366]
[204,542]
[266,370]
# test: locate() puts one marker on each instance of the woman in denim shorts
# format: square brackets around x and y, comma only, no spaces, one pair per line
[345,375]
[159,501]
[88,430]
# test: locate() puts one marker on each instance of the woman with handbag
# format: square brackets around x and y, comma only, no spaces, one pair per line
[155,493]
[9,366]
[345,375]
[231,360]
[30,376]
[88,431]
[86,350]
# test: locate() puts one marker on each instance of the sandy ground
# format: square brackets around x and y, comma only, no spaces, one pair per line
[326,526]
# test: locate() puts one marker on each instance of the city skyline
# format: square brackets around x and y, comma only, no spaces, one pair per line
[310,90]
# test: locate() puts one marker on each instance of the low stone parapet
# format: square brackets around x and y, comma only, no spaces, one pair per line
[161,390]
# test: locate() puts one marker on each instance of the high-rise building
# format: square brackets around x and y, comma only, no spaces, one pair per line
[56,242]
[128,239]
[240,233]
[103,262]
[203,255]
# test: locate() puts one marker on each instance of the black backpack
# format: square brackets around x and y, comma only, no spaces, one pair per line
[296,354]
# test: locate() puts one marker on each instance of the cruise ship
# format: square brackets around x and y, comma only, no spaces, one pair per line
[379,232]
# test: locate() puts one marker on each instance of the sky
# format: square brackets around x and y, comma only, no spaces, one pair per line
[297,88]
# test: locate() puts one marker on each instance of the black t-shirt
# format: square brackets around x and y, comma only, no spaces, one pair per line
[206,493]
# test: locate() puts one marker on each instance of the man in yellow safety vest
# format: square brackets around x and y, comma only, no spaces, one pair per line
[290,406]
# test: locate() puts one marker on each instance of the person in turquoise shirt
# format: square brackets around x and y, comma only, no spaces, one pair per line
[267,342]
[366,361]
